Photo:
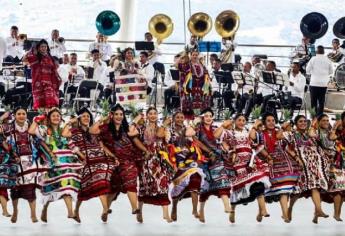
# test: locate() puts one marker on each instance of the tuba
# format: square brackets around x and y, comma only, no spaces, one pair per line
[108,23]
[226,25]
[161,27]
[339,32]
[199,24]
[314,25]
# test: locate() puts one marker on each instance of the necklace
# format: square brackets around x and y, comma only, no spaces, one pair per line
[21,128]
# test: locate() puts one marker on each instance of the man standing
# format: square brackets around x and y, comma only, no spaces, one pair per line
[320,69]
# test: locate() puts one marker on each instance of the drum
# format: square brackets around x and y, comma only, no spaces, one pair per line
[339,76]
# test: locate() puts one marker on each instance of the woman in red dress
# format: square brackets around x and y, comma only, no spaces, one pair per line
[155,173]
[117,136]
[99,162]
[45,79]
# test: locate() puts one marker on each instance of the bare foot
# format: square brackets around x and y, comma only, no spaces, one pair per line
[201,217]
[6,214]
[289,216]
[168,219]
[286,219]
[173,215]
[14,218]
[337,218]
[110,211]
[195,213]
[76,216]
[140,217]
[259,218]
[232,216]
[104,217]
[315,219]
[44,215]
[34,219]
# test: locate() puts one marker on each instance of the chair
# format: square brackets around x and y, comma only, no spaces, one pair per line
[91,85]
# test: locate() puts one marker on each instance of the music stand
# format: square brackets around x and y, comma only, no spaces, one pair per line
[281,79]
[209,46]
[268,77]
[144,46]
[227,67]
[28,44]
[223,77]
[175,74]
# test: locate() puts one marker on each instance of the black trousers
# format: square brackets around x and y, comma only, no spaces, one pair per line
[265,102]
[254,99]
[9,60]
[317,98]
[169,102]
[293,102]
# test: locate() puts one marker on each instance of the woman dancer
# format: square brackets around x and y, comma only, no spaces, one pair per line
[314,177]
[62,180]
[99,162]
[251,178]
[120,139]
[328,138]
[155,173]
[217,175]
[284,171]
[22,150]
[189,178]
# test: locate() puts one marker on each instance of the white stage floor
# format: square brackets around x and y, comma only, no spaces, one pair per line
[121,222]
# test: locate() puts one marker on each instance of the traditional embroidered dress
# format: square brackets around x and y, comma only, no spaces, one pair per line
[315,163]
[248,182]
[335,152]
[126,174]
[45,81]
[63,177]
[21,145]
[8,171]
[284,172]
[187,156]
[155,173]
[98,170]
[195,88]
[217,175]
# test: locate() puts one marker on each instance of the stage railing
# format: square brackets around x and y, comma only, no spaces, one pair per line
[279,53]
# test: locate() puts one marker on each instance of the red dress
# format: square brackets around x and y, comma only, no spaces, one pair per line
[125,177]
[98,170]
[45,81]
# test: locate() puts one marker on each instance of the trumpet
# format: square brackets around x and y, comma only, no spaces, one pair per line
[61,39]
[22,37]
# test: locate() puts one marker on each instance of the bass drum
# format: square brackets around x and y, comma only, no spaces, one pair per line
[339,76]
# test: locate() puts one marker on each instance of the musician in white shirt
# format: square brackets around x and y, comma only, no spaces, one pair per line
[337,53]
[96,71]
[156,53]
[2,50]
[14,44]
[193,44]
[320,68]
[147,70]
[102,46]
[71,75]
[297,84]
[57,45]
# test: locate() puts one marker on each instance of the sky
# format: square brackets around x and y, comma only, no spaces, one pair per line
[261,21]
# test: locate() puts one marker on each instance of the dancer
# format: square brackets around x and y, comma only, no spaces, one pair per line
[62,180]
[99,162]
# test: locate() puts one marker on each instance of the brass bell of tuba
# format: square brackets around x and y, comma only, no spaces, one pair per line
[199,24]
[161,27]
[226,25]
[339,28]
[339,32]
[108,23]
[314,25]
